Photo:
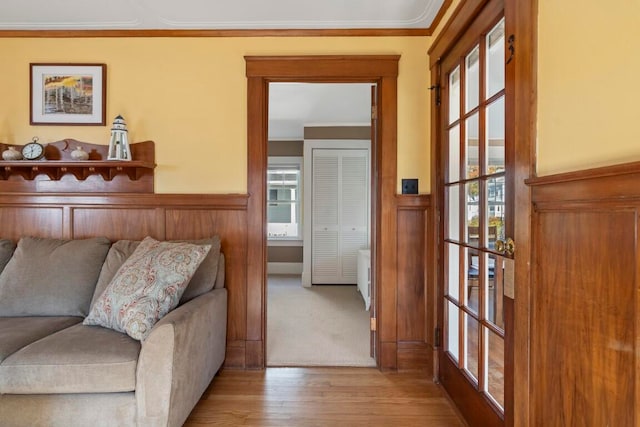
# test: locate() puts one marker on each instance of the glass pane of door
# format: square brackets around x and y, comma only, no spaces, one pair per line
[494,360]
[454,90]
[494,145]
[472,148]
[472,79]
[453,336]
[495,59]
[471,346]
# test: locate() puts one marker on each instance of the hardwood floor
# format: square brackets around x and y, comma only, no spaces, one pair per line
[323,397]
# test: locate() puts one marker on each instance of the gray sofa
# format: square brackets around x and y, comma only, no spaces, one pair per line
[57,371]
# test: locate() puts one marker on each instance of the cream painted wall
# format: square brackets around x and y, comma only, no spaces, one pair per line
[588,85]
[189,96]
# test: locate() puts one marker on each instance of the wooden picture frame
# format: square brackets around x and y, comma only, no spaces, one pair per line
[68,94]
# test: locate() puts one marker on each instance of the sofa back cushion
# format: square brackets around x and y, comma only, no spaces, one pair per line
[51,277]
[6,250]
[204,279]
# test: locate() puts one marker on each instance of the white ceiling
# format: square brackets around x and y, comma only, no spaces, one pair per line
[217,14]
[294,105]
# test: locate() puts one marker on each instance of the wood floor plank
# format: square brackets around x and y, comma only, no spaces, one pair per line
[322,397]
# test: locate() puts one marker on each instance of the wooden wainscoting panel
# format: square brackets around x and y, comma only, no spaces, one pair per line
[415,356]
[230,225]
[135,223]
[415,312]
[584,342]
[411,274]
[20,221]
[585,296]
[134,216]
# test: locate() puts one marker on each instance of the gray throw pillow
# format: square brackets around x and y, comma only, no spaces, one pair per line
[202,281]
[51,277]
[6,250]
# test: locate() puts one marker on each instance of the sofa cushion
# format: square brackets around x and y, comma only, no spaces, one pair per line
[147,286]
[51,277]
[205,278]
[18,332]
[6,250]
[78,359]
[119,252]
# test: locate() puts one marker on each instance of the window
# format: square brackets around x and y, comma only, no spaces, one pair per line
[283,198]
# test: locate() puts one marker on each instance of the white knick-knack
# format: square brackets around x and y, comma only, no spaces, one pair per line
[119,142]
[79,154]
[11,154]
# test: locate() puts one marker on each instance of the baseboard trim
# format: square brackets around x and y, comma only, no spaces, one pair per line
[284,268]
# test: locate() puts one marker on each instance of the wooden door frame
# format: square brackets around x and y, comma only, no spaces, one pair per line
[521,22]
[381,70]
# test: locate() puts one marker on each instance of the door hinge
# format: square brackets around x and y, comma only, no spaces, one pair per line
[374,112]
[436,337]
[374,324]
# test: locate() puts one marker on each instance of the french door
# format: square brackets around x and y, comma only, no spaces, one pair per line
[476,253]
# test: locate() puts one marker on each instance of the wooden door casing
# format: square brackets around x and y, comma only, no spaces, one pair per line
[393,353]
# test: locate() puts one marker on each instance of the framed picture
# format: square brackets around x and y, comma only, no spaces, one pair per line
[68,94]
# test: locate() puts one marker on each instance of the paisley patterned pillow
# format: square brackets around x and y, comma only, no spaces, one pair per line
[146,287]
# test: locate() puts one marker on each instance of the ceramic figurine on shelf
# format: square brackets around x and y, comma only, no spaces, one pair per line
[119,142]
[11,154]
[79,154]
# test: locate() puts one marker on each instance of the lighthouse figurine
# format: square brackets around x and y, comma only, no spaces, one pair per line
[119,142]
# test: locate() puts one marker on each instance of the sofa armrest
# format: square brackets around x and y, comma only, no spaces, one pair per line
[179,358]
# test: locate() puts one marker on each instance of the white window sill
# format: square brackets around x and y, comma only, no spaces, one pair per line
[284,242]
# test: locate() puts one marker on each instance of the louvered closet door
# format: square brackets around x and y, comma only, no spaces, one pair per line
[340,214]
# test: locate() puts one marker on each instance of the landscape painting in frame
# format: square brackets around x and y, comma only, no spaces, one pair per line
[68,94]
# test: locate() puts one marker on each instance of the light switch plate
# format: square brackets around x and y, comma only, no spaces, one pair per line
[410,186]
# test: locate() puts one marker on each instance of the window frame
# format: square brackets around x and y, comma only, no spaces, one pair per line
[285,162]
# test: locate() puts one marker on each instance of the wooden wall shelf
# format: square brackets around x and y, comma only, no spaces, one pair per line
[58,172]
[55,169]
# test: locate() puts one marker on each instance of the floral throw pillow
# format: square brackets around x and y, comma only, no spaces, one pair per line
[147,286]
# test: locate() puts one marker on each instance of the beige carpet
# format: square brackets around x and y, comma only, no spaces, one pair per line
[317,326]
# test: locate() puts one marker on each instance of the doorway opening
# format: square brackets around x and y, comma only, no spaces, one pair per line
[318,221]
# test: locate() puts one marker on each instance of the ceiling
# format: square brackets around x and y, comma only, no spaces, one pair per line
[216,14]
